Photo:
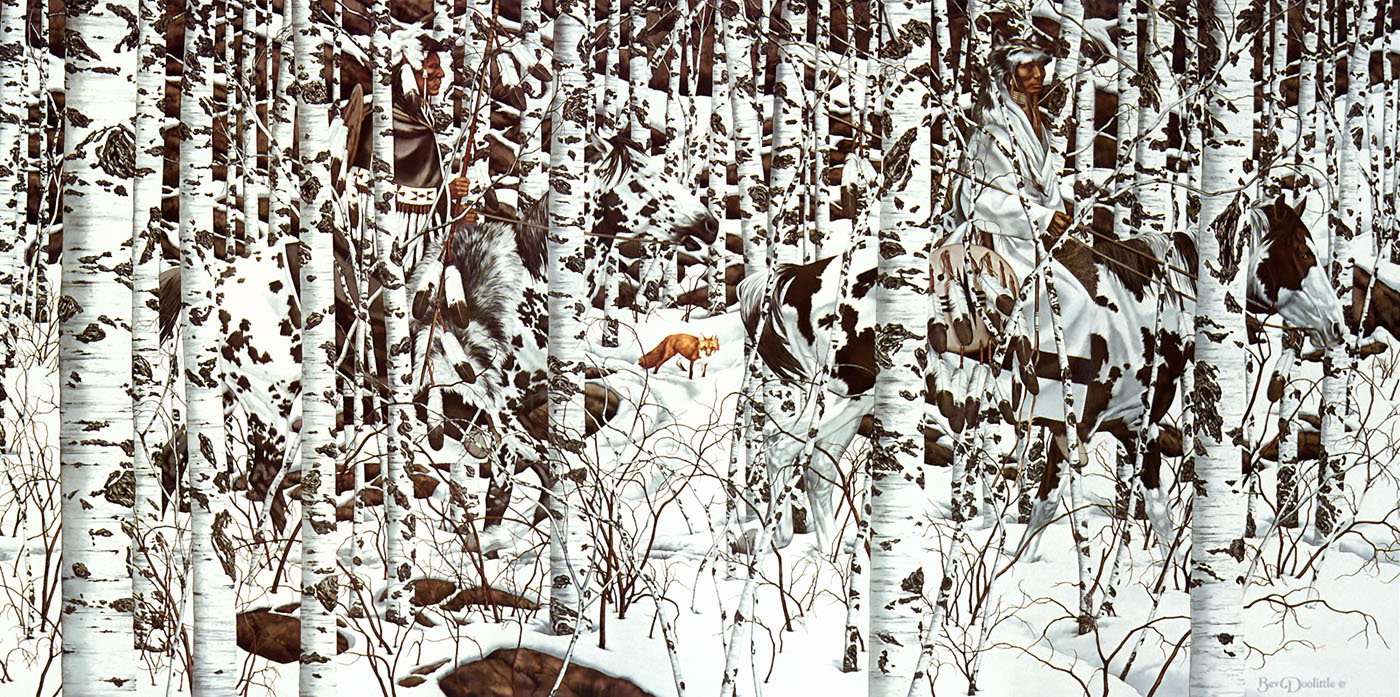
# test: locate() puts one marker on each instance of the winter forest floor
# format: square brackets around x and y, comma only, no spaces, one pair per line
[1318,623]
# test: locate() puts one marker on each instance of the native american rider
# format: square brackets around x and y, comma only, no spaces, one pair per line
[419,144]
[1010,199]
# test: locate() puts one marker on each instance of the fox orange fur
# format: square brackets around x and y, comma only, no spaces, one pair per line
[687,345]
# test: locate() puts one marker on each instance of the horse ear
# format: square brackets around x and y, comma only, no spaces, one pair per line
[1302,205]
[1280,202]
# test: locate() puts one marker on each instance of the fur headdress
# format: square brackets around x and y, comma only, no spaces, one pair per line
[411,43]
[1001,65]
[1004,58]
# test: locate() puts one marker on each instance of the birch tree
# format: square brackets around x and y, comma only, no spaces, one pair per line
[94,360]
[1305,141]
[1067,74]
[740,31]
[214,669]
[319,579]
[148,366]
[13,174]
[719,127]
[1217,569]
[1347,219]
[1124,182]
[398,515]
[897,493]
[568,179]
[785,209]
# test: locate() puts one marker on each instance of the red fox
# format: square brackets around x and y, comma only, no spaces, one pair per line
[692,347]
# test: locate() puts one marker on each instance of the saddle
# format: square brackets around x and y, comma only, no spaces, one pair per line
[974,292]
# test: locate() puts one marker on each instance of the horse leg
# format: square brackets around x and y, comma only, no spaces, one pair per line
[839,426]
[1047,497]
[1154,499]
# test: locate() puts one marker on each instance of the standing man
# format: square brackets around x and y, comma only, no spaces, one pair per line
[1011,200]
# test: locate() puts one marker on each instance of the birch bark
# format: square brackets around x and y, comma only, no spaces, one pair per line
[1125,177]
[148,364]
[214,670]
[13,174]
[785,209]
[1347,219]
[569,184]
[721,122]
[1305,141]
[740,31]
[282,195]
[1157,90]
[319,578]
[1217,570]
[94,359]
[1068,73]
[897,572]
[398,514]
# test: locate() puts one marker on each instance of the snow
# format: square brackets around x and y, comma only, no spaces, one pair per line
[671,438]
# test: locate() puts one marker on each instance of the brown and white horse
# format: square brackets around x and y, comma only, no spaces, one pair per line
[1109,296]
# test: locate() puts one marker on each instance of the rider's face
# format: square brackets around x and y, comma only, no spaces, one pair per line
[1029,78]
[430,77]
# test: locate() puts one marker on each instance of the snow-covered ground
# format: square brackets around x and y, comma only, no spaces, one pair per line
[1324,626]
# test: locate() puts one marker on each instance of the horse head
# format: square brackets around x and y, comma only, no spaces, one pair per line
[1287,277]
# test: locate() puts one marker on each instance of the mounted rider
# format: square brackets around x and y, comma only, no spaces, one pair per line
[1010,197]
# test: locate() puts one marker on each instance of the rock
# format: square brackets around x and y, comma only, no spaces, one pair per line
[488,596]
[431,591]
[274,636]
[430,667]
[412,681]
[529,673]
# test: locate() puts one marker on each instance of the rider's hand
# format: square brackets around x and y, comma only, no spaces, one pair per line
[459,187]
[1059,222]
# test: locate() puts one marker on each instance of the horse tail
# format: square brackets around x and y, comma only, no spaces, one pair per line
[751,300]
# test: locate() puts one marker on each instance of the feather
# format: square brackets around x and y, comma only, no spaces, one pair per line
[452,289]
[426,289]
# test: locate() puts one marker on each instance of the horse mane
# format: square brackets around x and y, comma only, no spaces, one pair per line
[614,156]
[1137,261]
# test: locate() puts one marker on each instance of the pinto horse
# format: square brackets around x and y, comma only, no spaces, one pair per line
[1109,295]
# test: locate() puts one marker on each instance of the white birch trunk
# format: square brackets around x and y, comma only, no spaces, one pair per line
[1217,647]
[785,210]
[531,160]
[720,126]
[826,84]
[319,576]
[1288,434]
[148,365]
[740,32]
[1123,185]
[569,184]
[13,174]
[251,186]
[1305,140]
[1347,220]
[865,220]
[282,194]
[94,359]
[1067,73]
[215,657]
[897,574]
[1272,146]
[398,512]
[1158,91]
